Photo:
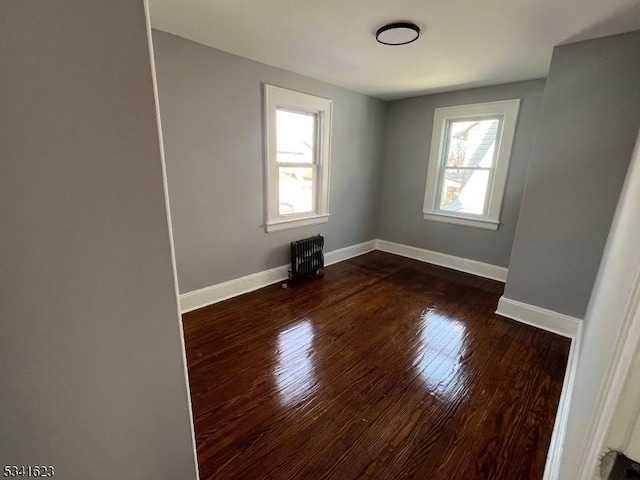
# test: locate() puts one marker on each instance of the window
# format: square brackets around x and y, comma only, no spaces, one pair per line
[468,163]
[298,137]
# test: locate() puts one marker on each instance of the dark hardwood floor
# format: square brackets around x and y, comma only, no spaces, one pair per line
[386,368]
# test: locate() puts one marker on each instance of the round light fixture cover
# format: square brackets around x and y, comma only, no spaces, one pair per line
[399,33]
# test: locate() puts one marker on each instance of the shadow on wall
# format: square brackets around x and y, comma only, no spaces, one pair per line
[624,20]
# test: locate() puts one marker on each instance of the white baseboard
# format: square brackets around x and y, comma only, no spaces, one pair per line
[457,263]
[562,325]
[539,317]
[554,455]
[222,291]
[346,253]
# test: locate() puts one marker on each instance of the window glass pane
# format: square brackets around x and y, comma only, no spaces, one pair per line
[295,190]
[296,137]
[464,191]
[471,143]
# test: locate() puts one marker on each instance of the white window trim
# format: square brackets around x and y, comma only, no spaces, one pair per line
[277,97]
[508,111]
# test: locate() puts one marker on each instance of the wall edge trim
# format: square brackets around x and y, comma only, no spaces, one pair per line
[556,446]
[548,320]
[566,326]
[465,265]
[232,288]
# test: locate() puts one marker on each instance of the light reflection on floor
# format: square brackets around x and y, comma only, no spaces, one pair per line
[439,352]
[295,370]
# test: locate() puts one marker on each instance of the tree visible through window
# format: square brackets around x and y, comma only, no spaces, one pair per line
[298,133]
[468,165]
[470,159]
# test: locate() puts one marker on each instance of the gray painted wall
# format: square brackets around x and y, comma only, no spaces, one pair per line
[91,364]
[404,173]
[588,126]
[211,109]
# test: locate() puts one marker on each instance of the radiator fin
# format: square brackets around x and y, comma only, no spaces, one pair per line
[307,258]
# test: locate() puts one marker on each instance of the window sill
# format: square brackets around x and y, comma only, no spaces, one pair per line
[465,221]
[277,225]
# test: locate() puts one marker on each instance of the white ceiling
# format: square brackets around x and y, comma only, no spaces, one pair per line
[464,43]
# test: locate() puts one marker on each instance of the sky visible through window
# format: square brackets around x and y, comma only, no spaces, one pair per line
[296,151]
[469,159]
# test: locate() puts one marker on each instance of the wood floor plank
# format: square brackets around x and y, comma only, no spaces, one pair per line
[385,368]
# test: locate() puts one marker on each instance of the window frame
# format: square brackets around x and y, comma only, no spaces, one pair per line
[507,112]
[281,98]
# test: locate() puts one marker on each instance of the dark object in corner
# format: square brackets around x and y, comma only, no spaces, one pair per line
[619,467]
[307,259]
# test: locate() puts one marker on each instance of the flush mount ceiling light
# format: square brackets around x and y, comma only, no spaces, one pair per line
[399,33]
